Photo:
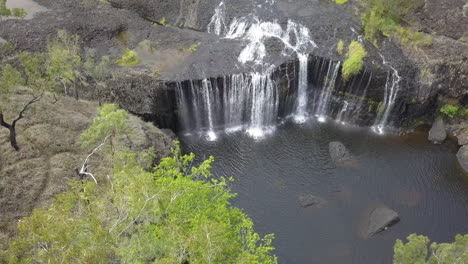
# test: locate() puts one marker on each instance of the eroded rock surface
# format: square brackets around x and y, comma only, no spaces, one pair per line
[380,219]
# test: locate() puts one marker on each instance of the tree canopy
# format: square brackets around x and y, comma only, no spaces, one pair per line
[175,213]
[416,251]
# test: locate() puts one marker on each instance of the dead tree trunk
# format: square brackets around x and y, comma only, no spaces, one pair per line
[12,127]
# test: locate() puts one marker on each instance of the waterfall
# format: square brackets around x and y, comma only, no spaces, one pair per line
[183,106]
[301,114]
[208,92]
[264,105]
[217,23]
[253,102]
[329,84]
[392,87]
[339,118]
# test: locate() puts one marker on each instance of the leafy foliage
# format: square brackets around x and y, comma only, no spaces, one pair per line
[10,77]
[34,66]
[129,58]
[16,12]
[97,69]
[340,2]
[64,58]
[386,16]
[178,213]
[19,12]
[453,111]
[340,47]
[354,62]
[110,121]
[415,251]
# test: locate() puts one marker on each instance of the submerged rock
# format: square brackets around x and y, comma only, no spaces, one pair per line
[339,153]
[307,200]
[438,133]
[380,219]
[462,157]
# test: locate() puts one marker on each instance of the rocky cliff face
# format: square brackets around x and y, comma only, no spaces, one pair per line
[426,73]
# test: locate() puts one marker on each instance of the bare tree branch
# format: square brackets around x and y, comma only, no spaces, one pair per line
[85,166]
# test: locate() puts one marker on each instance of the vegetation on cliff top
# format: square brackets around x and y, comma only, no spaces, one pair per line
[354,60]
[173,213]
[15,12]
[387,17]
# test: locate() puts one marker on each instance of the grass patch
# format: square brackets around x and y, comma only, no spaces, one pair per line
[129,58]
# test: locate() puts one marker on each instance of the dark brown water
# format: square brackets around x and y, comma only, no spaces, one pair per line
[421,181]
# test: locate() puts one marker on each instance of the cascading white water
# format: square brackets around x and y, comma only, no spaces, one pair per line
[217,23]
[329,84]
[264,95]
[392,87]
[339,117]
[182,103]
[300,115]
[264,105]
[207,87]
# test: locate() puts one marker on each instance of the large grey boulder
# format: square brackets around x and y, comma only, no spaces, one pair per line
[462,157]
[380,219]
[339,153]
[307,200]
[438,132]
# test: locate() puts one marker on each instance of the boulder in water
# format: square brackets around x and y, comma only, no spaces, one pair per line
[438,133]
[380,219]
[339,153]
[462,157]
[307,200]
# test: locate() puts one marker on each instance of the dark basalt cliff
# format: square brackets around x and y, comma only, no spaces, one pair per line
[117,24]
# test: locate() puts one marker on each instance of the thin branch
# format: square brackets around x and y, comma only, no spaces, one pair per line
[85,166]
[25,107]
[139,214]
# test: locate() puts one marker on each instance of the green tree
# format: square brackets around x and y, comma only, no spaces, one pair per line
[34,66]
[415,251]
[98,70]
[11,78]
[110,122]
[64,60]
[177,213]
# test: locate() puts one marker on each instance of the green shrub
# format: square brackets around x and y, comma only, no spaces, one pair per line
[453,111]
[4,11]
[354,62]
[340,47]
[385,17]
[176,213]
[129,58]
[19,12]
[340,2]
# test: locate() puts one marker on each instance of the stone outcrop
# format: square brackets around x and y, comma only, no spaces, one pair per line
[339,153]
[307,200]
[438,132]
[380,219]
[462,157]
